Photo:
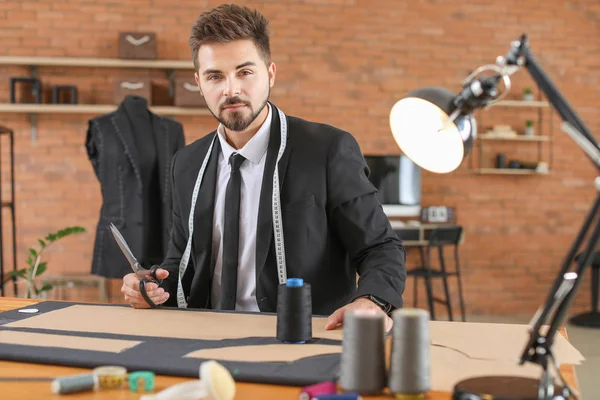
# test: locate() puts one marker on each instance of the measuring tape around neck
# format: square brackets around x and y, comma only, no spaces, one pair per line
[275,206]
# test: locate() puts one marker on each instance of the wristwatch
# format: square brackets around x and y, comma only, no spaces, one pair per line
[385,306]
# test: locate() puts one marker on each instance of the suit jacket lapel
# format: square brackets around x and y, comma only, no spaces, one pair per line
[203,226]
[264,227]
[123,129]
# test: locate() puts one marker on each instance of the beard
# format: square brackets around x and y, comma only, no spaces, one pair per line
[236,121]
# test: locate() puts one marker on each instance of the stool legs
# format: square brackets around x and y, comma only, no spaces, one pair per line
[595,284]
[445,282]
[428,285]
[460,290]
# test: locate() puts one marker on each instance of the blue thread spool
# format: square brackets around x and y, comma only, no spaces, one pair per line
[342,396]
[74,383]
[294,312]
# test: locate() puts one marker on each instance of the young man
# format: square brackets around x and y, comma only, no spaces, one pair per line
[273,196]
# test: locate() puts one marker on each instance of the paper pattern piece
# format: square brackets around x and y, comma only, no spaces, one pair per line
[266,353]
[66,342]
[164,323]
[495,341]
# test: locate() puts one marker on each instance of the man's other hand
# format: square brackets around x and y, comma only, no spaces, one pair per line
[337,318]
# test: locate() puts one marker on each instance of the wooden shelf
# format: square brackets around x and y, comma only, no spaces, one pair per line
[507,171]
[96,62]
[518,138]
[522,103]
[92,109]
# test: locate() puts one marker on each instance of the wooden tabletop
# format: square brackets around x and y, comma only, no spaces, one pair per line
[41,390]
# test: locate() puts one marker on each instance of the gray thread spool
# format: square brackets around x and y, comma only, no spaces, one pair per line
[362,362]
[74,384]
[410,365]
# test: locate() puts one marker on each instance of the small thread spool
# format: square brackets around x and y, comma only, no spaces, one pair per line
[410,365]
[342,396]
[74,384]
[318,389]
[294,311]
[110,377]
[362,362]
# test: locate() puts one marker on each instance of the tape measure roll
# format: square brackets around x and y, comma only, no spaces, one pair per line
[110,377]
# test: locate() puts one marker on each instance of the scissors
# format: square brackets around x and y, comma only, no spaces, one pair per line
[145,275]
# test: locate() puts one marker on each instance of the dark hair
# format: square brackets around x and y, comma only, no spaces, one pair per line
[229,22]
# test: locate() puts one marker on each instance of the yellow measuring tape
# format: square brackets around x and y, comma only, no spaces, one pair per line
[110,377]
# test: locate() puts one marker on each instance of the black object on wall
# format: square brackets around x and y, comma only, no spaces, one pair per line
[11,206]
[397,179]
[58,91]
[36,89]
[131,150]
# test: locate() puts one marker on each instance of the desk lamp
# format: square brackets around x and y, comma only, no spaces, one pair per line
[436,129]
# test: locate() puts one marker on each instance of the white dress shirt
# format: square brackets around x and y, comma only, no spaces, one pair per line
[252,174]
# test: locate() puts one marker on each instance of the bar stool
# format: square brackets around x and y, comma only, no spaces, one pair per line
[590,319]
[439,238]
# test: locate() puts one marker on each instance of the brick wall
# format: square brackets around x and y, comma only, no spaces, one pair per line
[343,62]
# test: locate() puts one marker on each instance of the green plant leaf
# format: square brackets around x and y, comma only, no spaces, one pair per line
[42,243]
[46,287]
[19,272]
[41,268]
[30,260]
[33,252]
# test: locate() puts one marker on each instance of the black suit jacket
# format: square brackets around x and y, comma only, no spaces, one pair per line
[110,145]
[333,223]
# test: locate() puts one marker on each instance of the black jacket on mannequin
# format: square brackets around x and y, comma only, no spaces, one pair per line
[131,151]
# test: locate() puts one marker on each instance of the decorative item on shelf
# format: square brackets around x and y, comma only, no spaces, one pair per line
[187,93]
[527,94]
[542,167]
[137,45]
[60,89]
[437,214]
[501,131]
[529,129]
[141,87]
[36,90]
[36,267]
[514,164]
[500,160]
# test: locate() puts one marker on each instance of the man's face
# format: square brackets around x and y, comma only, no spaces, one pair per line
[235,82]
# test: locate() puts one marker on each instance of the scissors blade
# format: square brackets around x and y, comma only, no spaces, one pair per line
[135,265]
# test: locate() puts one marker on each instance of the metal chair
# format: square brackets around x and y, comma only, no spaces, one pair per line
[439,238]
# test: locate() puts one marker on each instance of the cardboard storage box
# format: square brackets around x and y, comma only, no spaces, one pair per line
[137,45]
[132,86]
[187,93]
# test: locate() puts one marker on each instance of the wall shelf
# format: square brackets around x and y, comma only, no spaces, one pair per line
[522,103]
[34,62]
[508,171]
[494,140]
[95,62]
[518,138]
[92,109]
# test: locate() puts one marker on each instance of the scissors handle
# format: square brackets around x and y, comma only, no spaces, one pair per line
[149,279]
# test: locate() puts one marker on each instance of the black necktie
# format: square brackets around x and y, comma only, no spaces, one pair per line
[231,234]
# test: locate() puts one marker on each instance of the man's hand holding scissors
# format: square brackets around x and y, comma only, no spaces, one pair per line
[140,288]
[131,290]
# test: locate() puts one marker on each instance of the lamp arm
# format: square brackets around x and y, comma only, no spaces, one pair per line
[557,303]
[554,95]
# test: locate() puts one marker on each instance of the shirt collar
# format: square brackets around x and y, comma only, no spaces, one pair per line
[256,147]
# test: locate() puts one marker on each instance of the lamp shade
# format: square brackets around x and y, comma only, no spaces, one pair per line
[419,124]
